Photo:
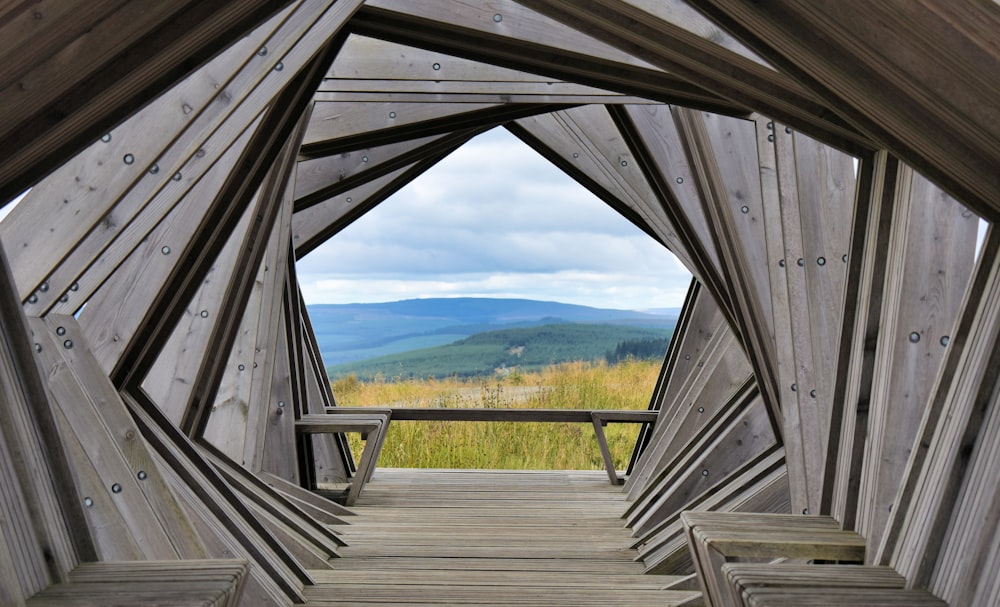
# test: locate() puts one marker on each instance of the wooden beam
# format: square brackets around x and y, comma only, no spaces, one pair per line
[224,211]
[710,66]
[45,530]
[97,67]
[322,178]
[436,27]
[932,105]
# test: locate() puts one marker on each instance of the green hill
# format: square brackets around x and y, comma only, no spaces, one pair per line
[527,348]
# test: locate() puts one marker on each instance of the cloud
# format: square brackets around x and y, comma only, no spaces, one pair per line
[494,219]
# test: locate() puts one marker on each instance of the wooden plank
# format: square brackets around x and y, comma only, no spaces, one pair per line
[930,261]
[587,145]
[222,516]
[519,41]
[169,176]
[321,178]
[952,418]
[224,212]
[740,435]
[364,125]
[929,108]
[102,70]
[558,541]
[711,369]
[130,504]
[750,322]
[877,181]
[745,82]
[92,199]
[43,533]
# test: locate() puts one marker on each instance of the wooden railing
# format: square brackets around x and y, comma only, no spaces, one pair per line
[376,420]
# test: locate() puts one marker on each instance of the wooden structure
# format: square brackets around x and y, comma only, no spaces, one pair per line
[827,171]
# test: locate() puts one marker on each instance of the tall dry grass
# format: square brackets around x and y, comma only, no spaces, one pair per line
[503,445]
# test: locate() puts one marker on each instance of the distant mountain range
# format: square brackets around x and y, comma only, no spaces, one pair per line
[353,332]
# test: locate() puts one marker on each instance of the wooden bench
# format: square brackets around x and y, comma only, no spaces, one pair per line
[774,585]
[185,583]
[715,537]
[371,425]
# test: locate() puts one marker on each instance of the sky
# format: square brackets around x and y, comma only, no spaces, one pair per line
[495,219]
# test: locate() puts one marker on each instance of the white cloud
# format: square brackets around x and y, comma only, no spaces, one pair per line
[494,219]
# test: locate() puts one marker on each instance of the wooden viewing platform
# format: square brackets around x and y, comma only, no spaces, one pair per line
[827,172]
[489,537]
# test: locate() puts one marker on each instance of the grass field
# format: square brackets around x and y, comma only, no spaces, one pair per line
[518,446]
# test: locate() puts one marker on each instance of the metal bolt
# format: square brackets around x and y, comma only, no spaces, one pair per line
[74,287]
[821,261]
[177,176]
[701,409]
[142,475]
[43,287]
[781,263]
[364,159]
[805,511]
[88,502]
[812,393]
[436,66]
[788,130]
[770,126]
[679,180]
[241,367]
[914,337]
[204,313]
[281,403]
[60,331]
[576,154]
[106,137]
[801,262]
[497,18]
[116,488]
[624,163]
[349,200]
[795,387]
[770,137]
[687,357]
[38,347]
[744,209]
[64,298]
[128,159]
[165,250]
[262,51]
[392,114]
[279,66]
[704,472]
[844,258]
[944,340]
[68,344]
[32,298]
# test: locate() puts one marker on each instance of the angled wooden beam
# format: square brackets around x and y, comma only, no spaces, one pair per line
[933,105]
[751,322]
[865,287]
[111,60]
[276,193]
[652,135]
[225,211]
[437,28]
[354,130]
[48,534]
[315,225]
[319,179]
[98,207]
[703,63]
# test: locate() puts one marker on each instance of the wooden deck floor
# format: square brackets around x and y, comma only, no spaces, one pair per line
[447,537]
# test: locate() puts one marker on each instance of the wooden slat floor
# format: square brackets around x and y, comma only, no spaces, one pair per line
[472,537]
